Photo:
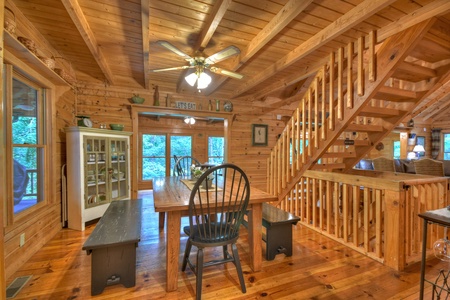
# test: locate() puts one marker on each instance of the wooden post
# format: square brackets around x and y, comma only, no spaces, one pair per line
[394,229]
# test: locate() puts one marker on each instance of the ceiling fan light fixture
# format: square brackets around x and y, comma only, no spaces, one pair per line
[191,79]
[189,120]
[203,80]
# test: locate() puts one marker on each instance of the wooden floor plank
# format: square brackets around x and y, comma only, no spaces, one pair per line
[319,268]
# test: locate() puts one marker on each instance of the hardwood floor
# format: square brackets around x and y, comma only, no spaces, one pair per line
[319,269]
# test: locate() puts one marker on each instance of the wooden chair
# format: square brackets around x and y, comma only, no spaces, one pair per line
[383,164]
[183,165]
[427,166]
[215,215]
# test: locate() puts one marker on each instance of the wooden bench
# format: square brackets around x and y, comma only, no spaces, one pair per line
[113,245]
[278,236]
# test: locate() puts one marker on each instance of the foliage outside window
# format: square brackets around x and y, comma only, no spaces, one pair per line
[216,146]
[28,143]
[396,150]
[158,153]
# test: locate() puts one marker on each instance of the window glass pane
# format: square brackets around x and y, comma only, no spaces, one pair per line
[26,178]
[24,119]
[216,149]
[446,146]
[396,149]
[153,156]
[180,145]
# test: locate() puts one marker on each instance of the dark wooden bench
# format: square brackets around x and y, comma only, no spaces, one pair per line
[278,236]
[113,244]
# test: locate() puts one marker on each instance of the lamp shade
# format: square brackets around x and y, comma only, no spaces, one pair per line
[418,148]
[191,79]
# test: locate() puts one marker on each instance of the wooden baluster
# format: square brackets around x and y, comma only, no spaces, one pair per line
[309,120]
[344,202]
[361,85]
[292,145]
[331,92]
[372,58]
[340,78]
[356,202]
[324,97]
[316,113]
[350,75]
[303,130]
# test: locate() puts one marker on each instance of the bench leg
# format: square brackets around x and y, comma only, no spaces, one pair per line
[113,265]
[278,240]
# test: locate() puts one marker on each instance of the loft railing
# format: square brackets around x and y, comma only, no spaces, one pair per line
[374,213]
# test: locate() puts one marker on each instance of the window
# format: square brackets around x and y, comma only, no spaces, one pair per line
[446,146]
[396,150]
[27,139]
[216,146]
[153,156]
[158,154]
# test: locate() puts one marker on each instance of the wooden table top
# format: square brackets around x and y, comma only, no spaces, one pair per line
[171,194]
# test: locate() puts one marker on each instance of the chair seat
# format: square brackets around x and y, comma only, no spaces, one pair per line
[213,234]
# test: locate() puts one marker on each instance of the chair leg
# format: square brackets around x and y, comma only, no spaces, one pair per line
[162,216]
[225,256]
[187,252]
[237,263]
[199,273]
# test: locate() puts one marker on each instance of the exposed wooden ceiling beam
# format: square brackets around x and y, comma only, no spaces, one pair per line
[213,20]
[78,18]
[291,10]
[145,40]
[356,15]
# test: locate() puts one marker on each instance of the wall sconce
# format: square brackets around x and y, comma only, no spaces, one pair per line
[189,120]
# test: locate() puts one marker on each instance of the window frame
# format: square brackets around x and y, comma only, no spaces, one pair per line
[44,111]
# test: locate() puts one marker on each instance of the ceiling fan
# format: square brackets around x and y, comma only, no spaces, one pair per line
[200,63]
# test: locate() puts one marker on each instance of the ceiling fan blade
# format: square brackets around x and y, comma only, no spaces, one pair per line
[171,69]
[174,49]
[222,55]
[226,72]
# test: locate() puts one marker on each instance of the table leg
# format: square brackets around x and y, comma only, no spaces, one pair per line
[255,236]
[172,249]
[424,258]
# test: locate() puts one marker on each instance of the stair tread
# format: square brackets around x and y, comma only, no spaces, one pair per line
[395,94]
[384,112]
[413,72]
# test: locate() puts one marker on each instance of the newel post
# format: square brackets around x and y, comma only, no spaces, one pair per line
[394,229]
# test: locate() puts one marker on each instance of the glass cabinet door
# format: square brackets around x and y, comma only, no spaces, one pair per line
[119,166]
[95,171]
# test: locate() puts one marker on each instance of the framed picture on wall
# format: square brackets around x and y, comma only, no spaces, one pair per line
[259,134]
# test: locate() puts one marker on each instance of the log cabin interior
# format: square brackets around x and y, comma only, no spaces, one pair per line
[331,83]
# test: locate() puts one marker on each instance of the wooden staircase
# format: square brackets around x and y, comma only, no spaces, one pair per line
[357,98]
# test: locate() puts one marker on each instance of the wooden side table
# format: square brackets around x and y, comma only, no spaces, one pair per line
[440,217]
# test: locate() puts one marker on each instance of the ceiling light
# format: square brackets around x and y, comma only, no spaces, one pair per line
[189,120]
[199,76]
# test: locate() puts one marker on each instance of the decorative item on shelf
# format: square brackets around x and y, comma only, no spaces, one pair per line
[189,120]
[118,127]
[156,96]
[136,99]
[28,43]
[10,21]
[118,175]
[84,121]
[411,123]
[228,106]
[69,77]
[210,105]
[48,60]
[217,105]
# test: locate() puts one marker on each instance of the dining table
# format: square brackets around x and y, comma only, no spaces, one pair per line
[171,196]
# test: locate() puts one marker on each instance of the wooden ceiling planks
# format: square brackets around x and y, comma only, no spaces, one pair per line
[282,42]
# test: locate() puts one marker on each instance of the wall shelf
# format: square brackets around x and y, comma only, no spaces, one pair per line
[17,49]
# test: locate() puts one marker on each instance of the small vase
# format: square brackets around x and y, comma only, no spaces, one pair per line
[156,97]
